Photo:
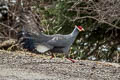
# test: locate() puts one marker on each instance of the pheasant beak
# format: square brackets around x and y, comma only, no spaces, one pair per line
[82,29]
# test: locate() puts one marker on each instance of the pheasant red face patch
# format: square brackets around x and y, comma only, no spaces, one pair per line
[79,28]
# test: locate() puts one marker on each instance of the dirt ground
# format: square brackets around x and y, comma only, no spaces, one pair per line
[28,66]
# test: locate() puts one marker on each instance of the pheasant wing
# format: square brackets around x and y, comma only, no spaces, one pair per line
[59,41]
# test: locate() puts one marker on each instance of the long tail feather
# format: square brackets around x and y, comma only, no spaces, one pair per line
[26,40]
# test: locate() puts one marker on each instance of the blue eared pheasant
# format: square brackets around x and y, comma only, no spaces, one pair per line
[54,43]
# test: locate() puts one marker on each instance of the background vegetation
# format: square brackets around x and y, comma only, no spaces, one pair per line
[100,19]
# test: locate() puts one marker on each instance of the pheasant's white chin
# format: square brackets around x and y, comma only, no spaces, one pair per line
[81,30]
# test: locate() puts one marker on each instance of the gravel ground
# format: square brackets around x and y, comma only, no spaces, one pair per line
[29,66]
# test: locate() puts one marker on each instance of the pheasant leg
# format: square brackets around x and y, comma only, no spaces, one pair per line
[68,57]
[52,56]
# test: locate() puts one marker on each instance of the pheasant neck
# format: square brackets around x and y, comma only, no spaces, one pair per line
[75,32]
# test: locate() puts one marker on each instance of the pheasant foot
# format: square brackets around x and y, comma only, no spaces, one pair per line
[71,60]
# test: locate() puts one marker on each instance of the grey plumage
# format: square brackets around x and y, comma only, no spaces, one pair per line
[42,43]
[34,40]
